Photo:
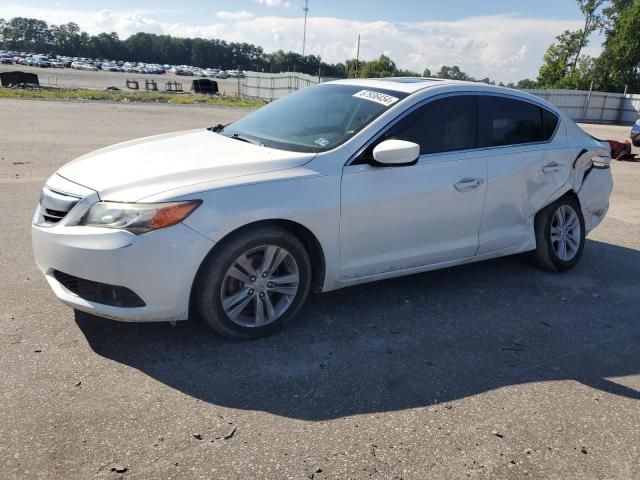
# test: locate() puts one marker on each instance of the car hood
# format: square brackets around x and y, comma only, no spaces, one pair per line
[133,170]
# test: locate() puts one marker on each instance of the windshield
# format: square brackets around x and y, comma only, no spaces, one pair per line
[315,119]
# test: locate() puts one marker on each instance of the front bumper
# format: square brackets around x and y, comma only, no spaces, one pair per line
[158,266]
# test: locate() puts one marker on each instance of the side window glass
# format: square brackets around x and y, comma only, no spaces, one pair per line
[443,125]
[549,123]
[505,121]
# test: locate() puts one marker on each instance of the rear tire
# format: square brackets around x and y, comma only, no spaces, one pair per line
[560,235]
[254,283]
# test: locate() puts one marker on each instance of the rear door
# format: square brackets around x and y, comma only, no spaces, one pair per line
[526,162]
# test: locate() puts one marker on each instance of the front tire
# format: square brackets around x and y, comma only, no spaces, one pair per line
[560,235]
[255,283]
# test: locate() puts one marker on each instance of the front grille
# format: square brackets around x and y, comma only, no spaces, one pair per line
[97,292]
[53,216]
[55,205]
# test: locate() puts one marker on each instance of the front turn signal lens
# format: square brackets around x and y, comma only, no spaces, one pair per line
[172,214]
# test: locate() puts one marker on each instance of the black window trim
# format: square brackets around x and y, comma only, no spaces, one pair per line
[374,138]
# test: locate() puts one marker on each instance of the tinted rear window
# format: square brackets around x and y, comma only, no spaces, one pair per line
[505,121]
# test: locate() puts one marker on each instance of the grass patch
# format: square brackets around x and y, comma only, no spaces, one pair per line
[126,96]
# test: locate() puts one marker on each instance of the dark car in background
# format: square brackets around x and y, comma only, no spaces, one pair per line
[635,134]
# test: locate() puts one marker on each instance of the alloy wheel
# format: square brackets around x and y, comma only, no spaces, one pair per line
[260,286]
[566,233]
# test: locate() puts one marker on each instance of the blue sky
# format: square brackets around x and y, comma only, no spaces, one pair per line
[502,39]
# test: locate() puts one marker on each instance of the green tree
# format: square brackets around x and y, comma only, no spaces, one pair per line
[619,64]
[526,84]
[382,67]
[105,45]
[592,22]
[427,73]
[558,58]
[453,73]
[487,80]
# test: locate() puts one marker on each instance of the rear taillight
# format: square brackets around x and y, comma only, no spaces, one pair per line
[601,161]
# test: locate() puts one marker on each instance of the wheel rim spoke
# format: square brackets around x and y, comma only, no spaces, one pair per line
[273,258]
[259,312]
[281,257]
[289,291]
[235,304]
[269,254]
[573,242]
[271,311]
[285,279]
[562,249]
[246,265]
[238,275]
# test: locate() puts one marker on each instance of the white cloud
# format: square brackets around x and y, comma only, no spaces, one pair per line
[273,3]
[234,16]
[502,47]
[126,24]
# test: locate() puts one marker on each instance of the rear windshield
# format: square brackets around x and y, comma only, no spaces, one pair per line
[315,119]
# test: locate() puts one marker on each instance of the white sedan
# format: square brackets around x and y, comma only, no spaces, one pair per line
[339,184]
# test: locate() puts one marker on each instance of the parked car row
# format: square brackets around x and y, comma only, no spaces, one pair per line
[208,72]
[89,64]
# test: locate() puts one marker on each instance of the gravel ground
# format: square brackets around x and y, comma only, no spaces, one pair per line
[71,78]
[490,371]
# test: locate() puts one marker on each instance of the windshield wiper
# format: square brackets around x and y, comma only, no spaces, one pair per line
[240,138]
[218,128]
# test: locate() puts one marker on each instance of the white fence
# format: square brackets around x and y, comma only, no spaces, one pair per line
[579,105]
[271,86]
[593,107]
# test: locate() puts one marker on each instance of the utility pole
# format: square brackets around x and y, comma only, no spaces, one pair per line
[357,56]
[304,38]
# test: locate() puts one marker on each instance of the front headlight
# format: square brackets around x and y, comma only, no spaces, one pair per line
[138,217]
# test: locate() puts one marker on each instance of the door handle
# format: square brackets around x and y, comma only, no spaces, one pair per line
[551,167]
[468,184]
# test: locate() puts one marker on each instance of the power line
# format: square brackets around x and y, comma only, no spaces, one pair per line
[304,38]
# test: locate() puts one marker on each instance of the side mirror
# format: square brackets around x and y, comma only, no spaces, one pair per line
[396,152]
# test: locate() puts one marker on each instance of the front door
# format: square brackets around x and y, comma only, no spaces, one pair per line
[395,218]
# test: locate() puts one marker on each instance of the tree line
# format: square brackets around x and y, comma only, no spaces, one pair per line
[564,66]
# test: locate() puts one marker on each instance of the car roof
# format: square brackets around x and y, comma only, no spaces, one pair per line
[412,85]
[400,84]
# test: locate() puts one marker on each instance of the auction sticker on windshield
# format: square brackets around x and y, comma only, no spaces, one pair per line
[377,97]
